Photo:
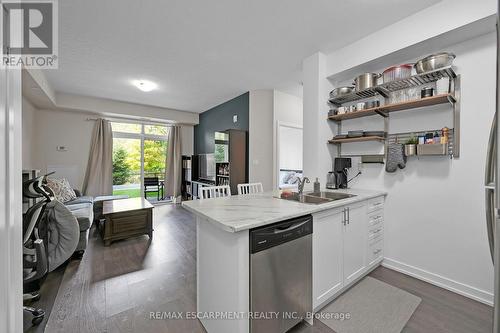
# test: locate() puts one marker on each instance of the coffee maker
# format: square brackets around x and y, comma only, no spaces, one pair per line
[337,178]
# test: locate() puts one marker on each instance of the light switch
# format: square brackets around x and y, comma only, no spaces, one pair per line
[62,148]
[235,118]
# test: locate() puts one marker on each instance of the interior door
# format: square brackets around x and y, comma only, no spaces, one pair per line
[327,255]
[355,242]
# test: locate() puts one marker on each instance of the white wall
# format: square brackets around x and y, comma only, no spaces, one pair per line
[441,18]
[29,126]
[187,137]
[288,109]
[317,153]
[435,209]
[260,148]
[435,212]
[290,148]
[71,129]
[61,128]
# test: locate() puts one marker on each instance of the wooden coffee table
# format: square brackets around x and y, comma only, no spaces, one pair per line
[126,218]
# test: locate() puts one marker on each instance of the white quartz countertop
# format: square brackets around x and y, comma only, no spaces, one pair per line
[242,212]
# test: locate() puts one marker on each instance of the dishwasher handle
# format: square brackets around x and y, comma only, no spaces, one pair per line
[273,235]
[281,229]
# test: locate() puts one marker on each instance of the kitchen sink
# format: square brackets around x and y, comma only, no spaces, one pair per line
[318,198]
[307,199]
[330,195]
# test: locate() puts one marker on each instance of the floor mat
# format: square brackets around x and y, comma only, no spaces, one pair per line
[371,306]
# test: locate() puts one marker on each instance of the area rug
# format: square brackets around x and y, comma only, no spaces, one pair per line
[371,306]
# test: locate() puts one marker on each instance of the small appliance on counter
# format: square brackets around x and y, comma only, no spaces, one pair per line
[337,178]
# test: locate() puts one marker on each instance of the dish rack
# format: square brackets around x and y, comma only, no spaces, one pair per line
[385,89]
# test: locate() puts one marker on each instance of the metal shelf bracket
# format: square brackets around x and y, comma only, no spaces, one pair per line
[382,113]
[456,116]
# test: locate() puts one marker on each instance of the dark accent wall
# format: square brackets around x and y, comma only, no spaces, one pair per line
[220,118]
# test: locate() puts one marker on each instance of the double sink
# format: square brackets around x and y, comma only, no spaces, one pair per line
[318,198]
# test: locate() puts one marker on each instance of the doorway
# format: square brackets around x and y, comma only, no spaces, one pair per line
[289,158]
[139,160]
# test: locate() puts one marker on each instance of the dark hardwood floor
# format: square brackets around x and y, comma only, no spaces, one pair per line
[48,291]
[440,311]
[115,288]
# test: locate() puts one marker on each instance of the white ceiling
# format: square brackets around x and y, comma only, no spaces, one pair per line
[202,53]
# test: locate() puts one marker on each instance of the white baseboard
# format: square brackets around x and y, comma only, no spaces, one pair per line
[440,281]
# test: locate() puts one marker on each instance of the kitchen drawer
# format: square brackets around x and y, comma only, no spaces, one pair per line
[375,219]
[375,252]
[375,205]
[375,233]
[375,225]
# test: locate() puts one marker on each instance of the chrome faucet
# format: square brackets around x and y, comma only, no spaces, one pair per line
[302,183]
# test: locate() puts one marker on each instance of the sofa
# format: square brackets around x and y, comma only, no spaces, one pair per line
[83,209]
[86,209]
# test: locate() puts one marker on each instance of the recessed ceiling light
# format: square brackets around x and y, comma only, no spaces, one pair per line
[145,85]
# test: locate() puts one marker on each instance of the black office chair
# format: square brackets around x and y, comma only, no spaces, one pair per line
[35,262]
[152,184]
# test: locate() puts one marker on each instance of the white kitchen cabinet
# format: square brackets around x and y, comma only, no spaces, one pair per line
[375,252]
[355,244]
[347,244]
[327,254]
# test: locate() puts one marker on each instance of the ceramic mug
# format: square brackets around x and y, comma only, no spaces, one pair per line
[360,106]
[341,110]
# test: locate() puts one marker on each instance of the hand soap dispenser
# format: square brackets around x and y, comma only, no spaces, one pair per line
[317,186]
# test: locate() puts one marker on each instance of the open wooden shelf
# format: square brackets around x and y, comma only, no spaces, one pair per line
[360,139]
[384,110]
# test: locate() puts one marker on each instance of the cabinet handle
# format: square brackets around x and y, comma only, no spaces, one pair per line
[348,215]
[343,217]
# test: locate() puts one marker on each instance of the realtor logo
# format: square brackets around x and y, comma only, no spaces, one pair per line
[29,33]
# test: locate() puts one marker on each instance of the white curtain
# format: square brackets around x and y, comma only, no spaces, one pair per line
[99,174]
[173,176]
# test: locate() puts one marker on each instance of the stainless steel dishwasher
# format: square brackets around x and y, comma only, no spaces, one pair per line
[280,275]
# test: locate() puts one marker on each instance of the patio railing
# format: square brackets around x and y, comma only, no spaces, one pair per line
[135,177]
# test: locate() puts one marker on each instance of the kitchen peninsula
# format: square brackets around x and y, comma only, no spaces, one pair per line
[346,245]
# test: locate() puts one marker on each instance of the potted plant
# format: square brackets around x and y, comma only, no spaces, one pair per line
[411,146]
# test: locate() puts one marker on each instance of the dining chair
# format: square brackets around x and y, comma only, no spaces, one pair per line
[250,188]
[211,192]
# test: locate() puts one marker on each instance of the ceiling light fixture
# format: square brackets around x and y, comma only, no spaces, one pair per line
[145,85]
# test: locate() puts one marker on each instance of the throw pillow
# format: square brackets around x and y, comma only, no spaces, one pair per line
[61,188]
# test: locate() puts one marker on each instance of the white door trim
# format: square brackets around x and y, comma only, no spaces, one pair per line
[276,154]
[11,286]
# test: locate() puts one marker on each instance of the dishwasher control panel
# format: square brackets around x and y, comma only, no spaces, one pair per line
[275,234]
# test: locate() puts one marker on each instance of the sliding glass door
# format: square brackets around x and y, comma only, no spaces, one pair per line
[139,158]
[127,167]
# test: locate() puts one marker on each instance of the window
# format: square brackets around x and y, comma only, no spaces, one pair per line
[139,152]
[156,130]
[126,127]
